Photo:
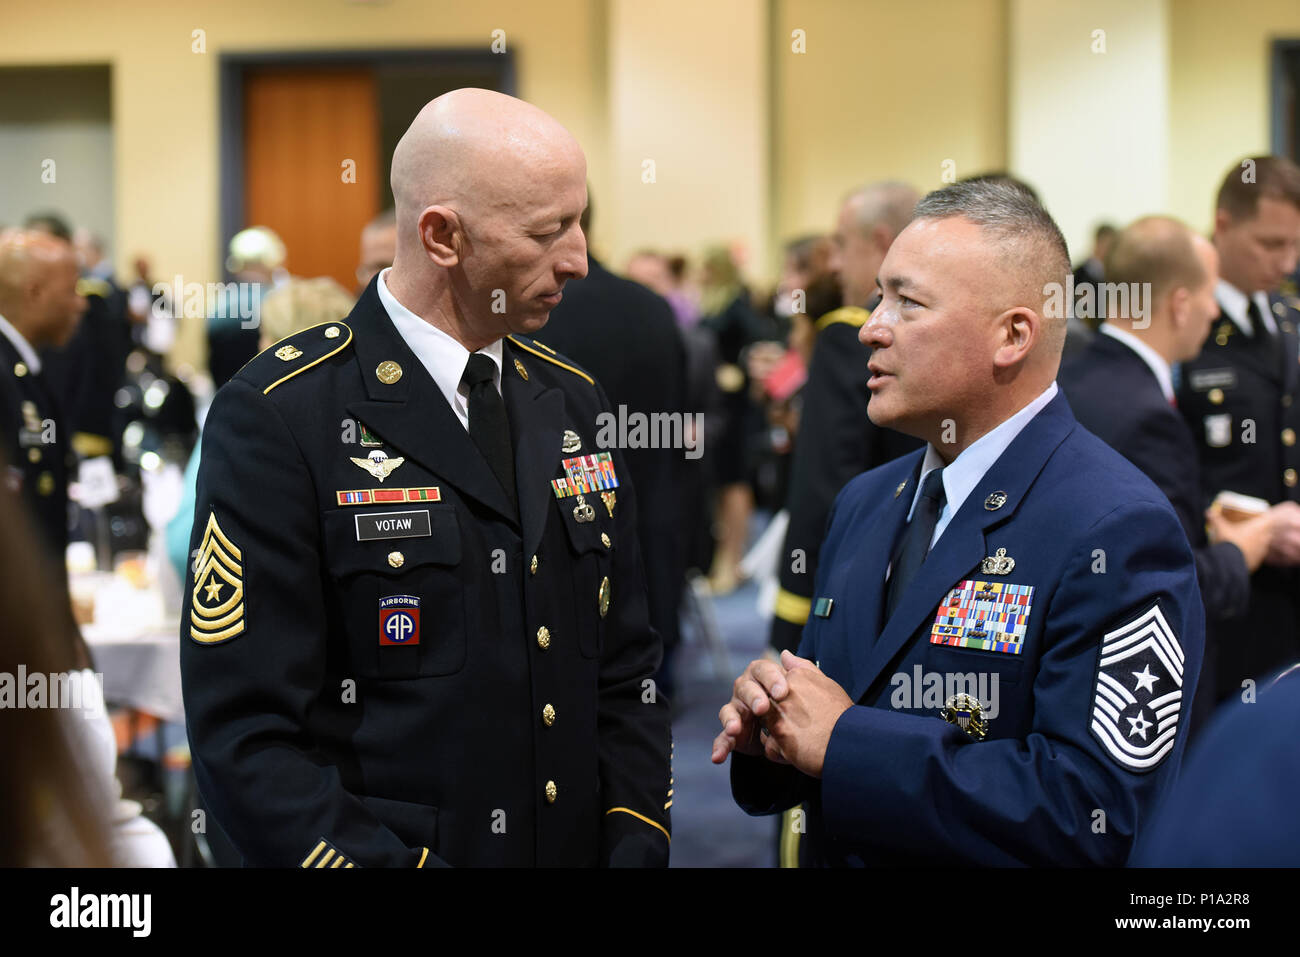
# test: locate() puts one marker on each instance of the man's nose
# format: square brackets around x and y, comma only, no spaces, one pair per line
[574,263]
[875,332]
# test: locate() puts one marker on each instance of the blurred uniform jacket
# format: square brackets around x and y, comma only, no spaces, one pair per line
[37,457]
[836,441]
[626,336]
[85,374]
[1241,397]
[1116,396]
[1063,595]
[508,719]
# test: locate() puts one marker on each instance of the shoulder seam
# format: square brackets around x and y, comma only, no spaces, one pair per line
[553,361]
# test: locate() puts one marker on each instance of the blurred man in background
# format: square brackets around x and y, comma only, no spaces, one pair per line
[378,247]
[836,439]
[1241,397]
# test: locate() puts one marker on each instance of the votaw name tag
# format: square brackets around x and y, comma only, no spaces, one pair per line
[373,525]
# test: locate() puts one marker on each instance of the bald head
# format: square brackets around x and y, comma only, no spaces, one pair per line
[38,286]
[870,218]
[488,190]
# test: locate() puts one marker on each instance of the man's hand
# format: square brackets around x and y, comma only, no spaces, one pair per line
[784,713]
[1254,536]
[749,701]
[1284,545]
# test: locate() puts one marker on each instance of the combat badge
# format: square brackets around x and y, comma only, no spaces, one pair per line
[965,712]
[217,600]
[1139,692]
[378,464]
[572,442]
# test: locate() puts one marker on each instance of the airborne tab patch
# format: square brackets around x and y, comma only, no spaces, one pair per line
[217,600]
[1139,691]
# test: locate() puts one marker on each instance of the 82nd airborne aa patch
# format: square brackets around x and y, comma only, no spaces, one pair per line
[1139,691]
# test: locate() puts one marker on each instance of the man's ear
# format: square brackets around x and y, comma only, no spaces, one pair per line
[1180,304]
[1018,330]
[440,234]
[1222,221]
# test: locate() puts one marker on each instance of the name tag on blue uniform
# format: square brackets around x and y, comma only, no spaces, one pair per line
[989,616]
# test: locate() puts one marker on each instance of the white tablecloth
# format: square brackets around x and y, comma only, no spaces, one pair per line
[142,670]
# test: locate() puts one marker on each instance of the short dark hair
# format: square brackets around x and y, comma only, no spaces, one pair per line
[1275,177]
[51,223]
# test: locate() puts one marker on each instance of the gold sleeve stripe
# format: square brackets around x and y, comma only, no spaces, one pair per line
[423,857]
[668,805]
[792,608]
[326,859]
[342,345]
[642,817]
[90,446]
[555,362]
[850,315]
[670,792]
[789,847]
[306,862]
[338,861]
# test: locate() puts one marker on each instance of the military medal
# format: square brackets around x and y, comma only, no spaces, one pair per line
[378,464]
[586,474]
[572,442]
[582,511]
[965,712]
[988,616]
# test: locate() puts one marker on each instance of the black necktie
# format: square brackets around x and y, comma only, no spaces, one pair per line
[915,541]
[1262,335]
[488,425]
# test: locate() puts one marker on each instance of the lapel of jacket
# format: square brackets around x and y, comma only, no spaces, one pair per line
[1244,349]
[536,416]
[962,546]
[1290,346]
[412,413]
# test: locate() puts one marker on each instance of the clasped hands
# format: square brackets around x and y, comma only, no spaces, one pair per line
[784,712]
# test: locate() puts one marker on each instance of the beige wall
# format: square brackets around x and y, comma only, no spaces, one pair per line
[885,90]
[1220,99]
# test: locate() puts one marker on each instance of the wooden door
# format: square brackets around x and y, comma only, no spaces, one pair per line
[311,164]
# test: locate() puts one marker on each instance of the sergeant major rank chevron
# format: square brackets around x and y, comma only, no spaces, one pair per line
[1139,691]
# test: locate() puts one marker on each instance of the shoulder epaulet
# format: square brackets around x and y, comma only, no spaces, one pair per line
[93,286]
[851,315]
[543,351]
[281,361]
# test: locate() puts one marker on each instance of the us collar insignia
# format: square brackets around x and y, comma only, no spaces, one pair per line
[378,464]
[998,563]
[965,712]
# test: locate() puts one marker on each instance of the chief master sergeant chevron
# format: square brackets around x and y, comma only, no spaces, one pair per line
[1058,587]
[416,630]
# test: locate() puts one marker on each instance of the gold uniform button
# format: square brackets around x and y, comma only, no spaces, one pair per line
[602,596]
[332,332]
[532,566]
[1289,477]
[20,369]
[604,539]
[45,484]
[1286,401]
[543,637]
[388,372]
[396,559]
[1288,436]
[1215,396]
[33,455]
[548,715]
[551,792]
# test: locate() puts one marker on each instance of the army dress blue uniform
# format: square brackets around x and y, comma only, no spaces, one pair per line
[1241,397]
[382,664]
[1062,594]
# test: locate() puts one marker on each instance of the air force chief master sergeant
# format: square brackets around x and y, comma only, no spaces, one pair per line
[417,631]
[1006,627]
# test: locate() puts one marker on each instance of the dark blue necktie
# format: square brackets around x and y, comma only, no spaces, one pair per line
[488,425]
[915,541]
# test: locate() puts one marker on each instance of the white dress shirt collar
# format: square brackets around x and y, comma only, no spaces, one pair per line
[1154,360]
[965,471]
[30,358]
[443,356]
[1235,303]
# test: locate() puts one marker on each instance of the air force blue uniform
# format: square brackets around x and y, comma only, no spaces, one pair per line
[1082,709]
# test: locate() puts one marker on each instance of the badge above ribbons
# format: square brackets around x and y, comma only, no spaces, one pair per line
[586,474]
[1139,692]
[215,617]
